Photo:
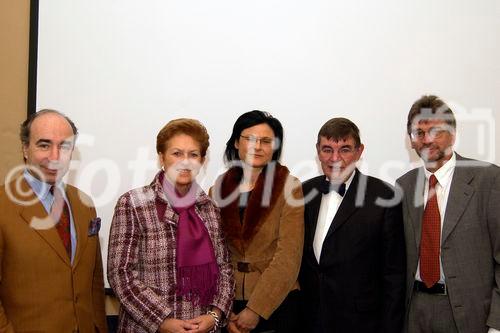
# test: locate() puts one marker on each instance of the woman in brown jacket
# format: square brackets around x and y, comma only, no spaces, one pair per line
[262,218]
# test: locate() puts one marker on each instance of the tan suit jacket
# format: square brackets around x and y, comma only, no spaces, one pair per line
[40,290]
[266,248]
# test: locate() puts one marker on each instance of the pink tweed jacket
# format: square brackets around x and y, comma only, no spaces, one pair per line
[142,257]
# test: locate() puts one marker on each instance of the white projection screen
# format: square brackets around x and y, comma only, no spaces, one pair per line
[122,69]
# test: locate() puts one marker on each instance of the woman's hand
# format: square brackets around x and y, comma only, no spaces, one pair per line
[247,320]
[232,328]
[172,325]
[204,323]
[231,324]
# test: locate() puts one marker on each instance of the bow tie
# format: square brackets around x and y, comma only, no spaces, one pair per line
[326,187]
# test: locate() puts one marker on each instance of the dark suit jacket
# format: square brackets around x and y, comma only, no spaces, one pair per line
[470,241]
[358,286]
[40,290]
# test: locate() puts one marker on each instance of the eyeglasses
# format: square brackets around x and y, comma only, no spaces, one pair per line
[344,151]
[432,133]
[265,141]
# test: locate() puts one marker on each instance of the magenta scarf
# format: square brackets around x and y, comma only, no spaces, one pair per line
[196,267]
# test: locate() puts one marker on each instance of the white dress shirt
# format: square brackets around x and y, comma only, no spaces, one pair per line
[444,176]
[329,206]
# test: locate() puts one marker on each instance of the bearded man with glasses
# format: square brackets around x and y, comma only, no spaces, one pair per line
[452,228]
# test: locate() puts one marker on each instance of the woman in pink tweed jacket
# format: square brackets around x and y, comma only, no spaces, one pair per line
[168,263]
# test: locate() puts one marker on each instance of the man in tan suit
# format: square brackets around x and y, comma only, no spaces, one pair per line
[51,277]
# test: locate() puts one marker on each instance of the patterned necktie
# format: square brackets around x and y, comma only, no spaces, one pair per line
[60,213]
[430,243]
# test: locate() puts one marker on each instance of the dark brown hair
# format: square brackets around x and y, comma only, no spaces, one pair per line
[25,130]
[250,119]
[339,129]
[430,107]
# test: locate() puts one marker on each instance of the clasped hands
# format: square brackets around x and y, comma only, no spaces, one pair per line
[201,324]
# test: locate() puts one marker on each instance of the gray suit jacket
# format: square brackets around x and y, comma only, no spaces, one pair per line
[470,241]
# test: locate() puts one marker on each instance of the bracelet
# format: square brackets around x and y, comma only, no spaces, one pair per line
[216,319]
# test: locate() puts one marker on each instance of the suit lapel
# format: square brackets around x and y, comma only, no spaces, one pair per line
[415,203]
[41,223]
[458,199]
[79,212]
[313,210]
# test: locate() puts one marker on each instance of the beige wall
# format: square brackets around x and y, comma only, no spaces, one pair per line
[14,43]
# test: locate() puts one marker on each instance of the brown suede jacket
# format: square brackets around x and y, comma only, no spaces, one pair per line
[266,248]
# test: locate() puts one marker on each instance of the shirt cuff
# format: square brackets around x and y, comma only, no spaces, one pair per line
[492,330]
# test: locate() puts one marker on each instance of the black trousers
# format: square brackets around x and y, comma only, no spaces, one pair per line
[285,319]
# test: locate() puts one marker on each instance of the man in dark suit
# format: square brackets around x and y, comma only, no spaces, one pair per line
[51,277]
[451,211]
[352,273]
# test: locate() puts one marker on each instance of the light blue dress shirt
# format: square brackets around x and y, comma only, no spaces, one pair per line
[42,191]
